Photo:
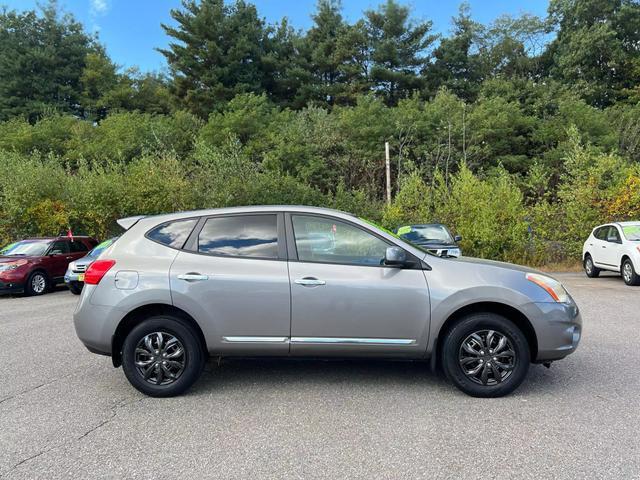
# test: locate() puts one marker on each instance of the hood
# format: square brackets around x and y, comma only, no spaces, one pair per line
[496,264]
[85,261]
[432,244]
[11,259]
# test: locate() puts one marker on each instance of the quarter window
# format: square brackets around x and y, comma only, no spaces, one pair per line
[327,240]
[173,234]
[240,236]
[601,233]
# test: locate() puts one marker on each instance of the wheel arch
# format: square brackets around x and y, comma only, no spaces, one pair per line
[141,313]
[507,311]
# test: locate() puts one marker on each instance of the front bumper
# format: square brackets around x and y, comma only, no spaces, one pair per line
[70,277]
[8,288]
[558,328]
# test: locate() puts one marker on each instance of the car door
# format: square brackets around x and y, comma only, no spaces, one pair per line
[232,277]
[58,259]
[612,251]
[344,301]
[598,246]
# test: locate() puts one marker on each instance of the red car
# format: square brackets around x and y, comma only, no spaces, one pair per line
[35,265]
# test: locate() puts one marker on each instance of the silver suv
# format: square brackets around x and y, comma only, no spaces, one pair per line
[302,281]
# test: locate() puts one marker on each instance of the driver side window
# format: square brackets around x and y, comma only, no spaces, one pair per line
[326,240]
[613,235]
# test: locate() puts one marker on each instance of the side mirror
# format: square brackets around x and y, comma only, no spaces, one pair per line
[613,239]
[55,252]
[457,238]
[395,257]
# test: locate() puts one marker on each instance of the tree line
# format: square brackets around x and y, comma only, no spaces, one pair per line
[520,134]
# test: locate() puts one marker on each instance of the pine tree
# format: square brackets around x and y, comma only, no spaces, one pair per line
[218,53]
[398,50]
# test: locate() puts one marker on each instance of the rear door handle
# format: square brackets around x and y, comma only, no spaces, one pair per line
[310,281]
[193,277]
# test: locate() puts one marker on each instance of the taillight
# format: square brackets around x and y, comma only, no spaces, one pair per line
[97,270]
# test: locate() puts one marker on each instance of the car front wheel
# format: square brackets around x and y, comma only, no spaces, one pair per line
[162,356]
[37,284]
[485,355]
[629,274]
[75,288]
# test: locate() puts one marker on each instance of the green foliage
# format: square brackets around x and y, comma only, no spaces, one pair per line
[219,55]
[398,50]
[42,58]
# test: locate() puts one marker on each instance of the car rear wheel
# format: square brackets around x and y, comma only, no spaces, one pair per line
[162,356]
[37,284]
[75,288]
[485,355]
[629,274]
[589,268]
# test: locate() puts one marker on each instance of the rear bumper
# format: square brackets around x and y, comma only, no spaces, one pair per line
[95,324]
[8,288]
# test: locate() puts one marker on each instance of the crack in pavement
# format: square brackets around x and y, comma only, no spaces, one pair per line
[114,413]
[32,389]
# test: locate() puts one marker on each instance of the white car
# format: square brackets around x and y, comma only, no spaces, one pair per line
[614,247]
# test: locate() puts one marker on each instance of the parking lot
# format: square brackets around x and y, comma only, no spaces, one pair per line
[65,412]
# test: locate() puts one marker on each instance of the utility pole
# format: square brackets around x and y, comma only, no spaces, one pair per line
[388,169]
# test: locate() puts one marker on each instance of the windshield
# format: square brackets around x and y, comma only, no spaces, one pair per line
[434,233]
[98,249]
[632,232]
[27,248]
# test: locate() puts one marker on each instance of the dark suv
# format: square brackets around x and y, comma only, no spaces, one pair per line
[35,265]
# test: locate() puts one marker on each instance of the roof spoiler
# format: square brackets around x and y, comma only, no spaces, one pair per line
[129,222]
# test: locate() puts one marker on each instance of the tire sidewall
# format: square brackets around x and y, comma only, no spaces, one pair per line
[635,279]
[484,321]
[75,288]
[29,286]
[194,355]
[594,270]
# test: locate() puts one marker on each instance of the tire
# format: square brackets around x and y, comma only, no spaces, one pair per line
[192,358]
[629,274]
[589,268]
[75,288]
[37,284]
[514,355]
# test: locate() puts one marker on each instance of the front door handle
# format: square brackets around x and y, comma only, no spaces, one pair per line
[193,277]
[310,281]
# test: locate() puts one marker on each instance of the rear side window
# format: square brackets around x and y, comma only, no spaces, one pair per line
[601,233]
[240,236]
[173,234]
[77,246]
[60,247]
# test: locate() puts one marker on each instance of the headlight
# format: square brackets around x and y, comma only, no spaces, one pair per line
[12,266]
[551,286]
[454,252]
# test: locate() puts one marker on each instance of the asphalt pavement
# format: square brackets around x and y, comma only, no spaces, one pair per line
[67,413]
